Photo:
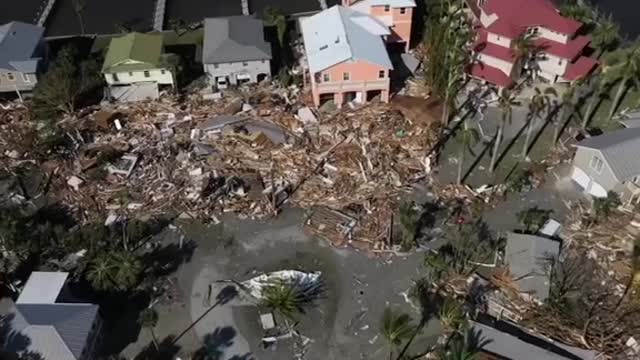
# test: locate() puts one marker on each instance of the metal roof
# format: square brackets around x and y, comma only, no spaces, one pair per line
[143,49]
[520,344]
[18,43]
[234,39]
[339,34]
[528,258]
[42,287]
[620,150]
[52,323]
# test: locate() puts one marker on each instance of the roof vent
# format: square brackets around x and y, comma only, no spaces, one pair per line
[323,47]
[337,40]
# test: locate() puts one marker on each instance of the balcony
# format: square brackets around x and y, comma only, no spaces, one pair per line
[344,86]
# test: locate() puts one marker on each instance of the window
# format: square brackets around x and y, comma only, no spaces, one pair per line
[560,62]
[381,74]
[163,72]
[636,180]
[244,63]
[11,77]
[264,61]
[216,66]
[346,76]
[403,10]
[387,8]
[130,74]
[25,78]
[498,38]
[147,74]
[596,164]
[326,78]
[114,77]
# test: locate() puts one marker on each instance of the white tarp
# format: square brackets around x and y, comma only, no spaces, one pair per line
[256,284]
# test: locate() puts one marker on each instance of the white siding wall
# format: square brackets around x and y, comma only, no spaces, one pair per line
[253,68]
[499,40]
[156,75]
[551,35]
[505,66]
[552,66]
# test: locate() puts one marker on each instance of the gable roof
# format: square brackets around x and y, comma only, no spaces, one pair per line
[513,342]
[339,34]
[145,49]
[620,150]
[18,42]
[56,331]
[43,287]
[527,256]
[234,39]
[512,20]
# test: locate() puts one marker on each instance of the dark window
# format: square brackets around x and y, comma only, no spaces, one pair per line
[346,76]
[403,10]
[387,8]
[381,74]
[146,73]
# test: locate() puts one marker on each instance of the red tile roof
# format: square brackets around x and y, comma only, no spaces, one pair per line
[490,74]
[497,51]
[514,16]
[582,67]
[569,51]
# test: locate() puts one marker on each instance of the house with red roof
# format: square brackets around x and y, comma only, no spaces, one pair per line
[558,48]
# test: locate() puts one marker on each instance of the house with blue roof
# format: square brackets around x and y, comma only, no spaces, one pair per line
[22,56]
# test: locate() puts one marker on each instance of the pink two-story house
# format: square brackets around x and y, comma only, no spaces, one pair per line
[345,56]
[559,49]
[396,14]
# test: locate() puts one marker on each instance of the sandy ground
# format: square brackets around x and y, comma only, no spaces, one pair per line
[344,325]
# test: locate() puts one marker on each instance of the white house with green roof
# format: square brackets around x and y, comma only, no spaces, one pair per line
[138,59]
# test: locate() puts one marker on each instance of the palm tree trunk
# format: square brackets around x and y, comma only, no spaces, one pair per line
[461,158]
[527,138]
[595,98]
[445,109]
[626,291]
[616,100]
[496,146]
[153,338]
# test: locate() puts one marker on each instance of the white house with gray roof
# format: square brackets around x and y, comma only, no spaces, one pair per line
[22,55]
[235,50]
[609,162]
[38,323]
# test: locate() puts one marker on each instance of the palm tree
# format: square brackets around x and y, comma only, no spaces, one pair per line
[578,12]
[598,83]
[148,319]
[469,138]
[128,269]
[567,108]
[605,35]
[100,273]
[506,102]
[78,7]
[525,50]
[540,102]
[275,17]
[291,297]
[396,328]
[628,71]
[451,315]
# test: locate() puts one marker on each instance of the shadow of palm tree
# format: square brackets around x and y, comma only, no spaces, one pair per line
[167,350]
[216,342]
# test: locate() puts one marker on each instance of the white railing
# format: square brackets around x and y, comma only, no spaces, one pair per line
[354,86]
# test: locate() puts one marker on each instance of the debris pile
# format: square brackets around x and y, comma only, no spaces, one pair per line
[249,153]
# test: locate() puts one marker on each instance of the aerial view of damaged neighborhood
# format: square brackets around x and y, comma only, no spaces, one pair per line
[319,179]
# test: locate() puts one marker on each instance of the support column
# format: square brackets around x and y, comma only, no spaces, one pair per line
[245,7]
[338,99]
[384,96]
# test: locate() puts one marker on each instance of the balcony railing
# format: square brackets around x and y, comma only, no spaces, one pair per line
[381,84]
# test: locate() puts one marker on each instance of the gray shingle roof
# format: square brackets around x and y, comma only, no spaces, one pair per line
[620,149]
[18,42]
[528,258]
[234,39]
[521,345]
[54,327]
